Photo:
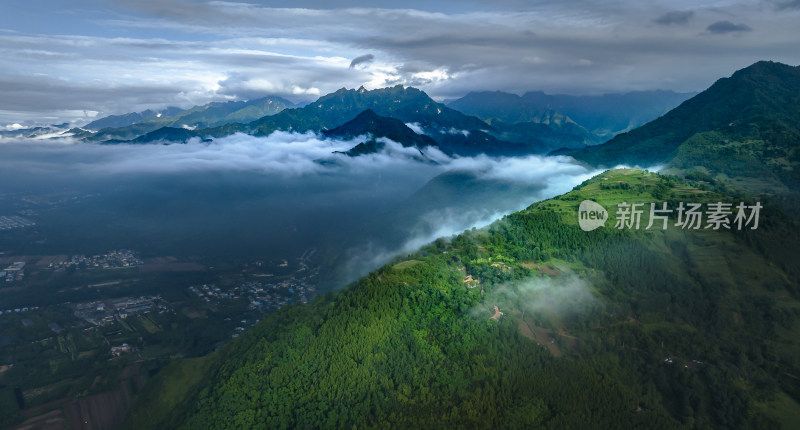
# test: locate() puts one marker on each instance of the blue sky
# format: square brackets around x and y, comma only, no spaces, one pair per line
[76,60]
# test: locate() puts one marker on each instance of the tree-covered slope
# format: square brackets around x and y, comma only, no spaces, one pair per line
[752,118]
[530,322]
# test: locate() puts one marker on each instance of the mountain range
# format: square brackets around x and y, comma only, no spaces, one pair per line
[135,125]
[495,130]
[594,119]
[743,128]
[453,131]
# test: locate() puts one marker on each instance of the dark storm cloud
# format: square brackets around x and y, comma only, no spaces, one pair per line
[555,62]
[189,11]
[119,75]
[361,59]
[215,50]
[723,27]
[674,17]
[480,38]
[24,93]
[783,5]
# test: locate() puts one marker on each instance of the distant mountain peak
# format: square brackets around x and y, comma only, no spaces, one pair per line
[370,123]
[334,109]
[765,66]
[368,113]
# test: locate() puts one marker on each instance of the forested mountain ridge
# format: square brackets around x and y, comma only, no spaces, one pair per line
[744,127]
[530,322]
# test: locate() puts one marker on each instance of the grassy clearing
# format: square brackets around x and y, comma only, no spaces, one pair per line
[149,325]
[784,409]
[406,264]
[171,388]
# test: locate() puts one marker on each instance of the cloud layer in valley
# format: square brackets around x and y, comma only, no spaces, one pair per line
[300,174]
[280,153]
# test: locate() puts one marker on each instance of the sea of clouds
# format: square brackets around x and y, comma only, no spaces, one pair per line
[310,164]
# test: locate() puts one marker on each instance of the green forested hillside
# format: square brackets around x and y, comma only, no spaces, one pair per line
[530,322]
[744,126]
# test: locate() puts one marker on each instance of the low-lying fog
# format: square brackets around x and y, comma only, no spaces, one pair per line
[260,197]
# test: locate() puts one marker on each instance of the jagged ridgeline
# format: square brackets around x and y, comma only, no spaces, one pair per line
[530,322]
